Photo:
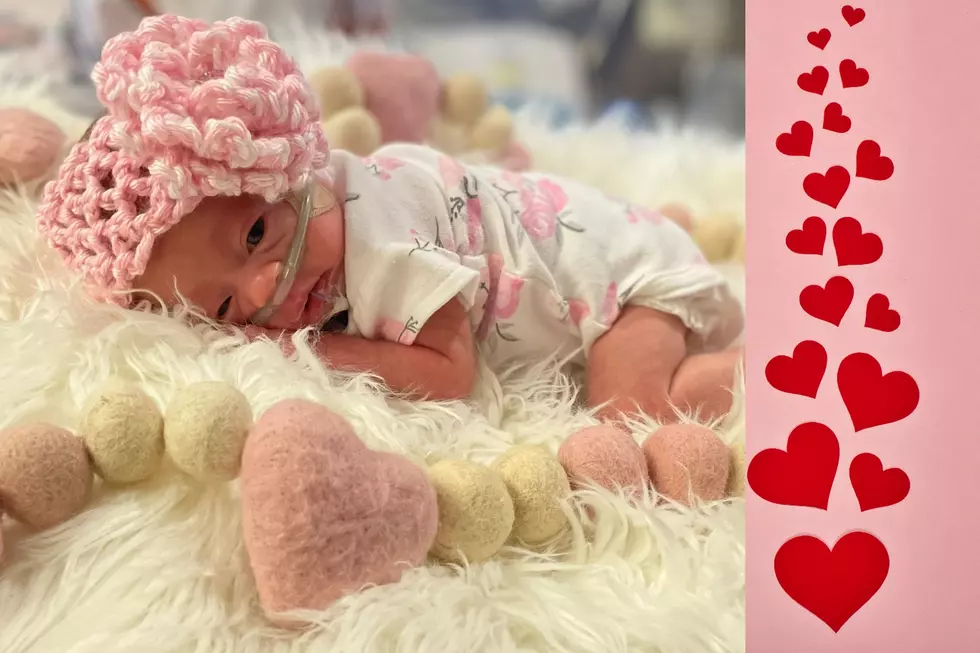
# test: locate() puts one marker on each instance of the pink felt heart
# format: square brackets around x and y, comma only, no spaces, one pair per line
[323,515]
[401,90]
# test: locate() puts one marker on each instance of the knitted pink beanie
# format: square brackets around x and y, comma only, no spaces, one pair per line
[193,111]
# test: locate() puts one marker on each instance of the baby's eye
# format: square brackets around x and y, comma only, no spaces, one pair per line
[223,309]
[255,234]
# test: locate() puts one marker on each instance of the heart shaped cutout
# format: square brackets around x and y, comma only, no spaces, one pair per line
[877,487]
[814,81]
[872,398]
[797,141]
[880,316]
[809,239]
[851,76]
[801,373]
[832,584]
[803,474]
[852,15]
[819,39]
[853,246]
[348,516]
[834,119]
[871,164]
[829,302]
[828,188]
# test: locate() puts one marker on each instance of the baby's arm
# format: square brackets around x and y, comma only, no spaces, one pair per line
[439,365]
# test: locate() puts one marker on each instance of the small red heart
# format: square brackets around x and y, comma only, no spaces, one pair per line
[852,15]
[828,303]
[854,247]
[796,142]
[871,164]
[880,316]
[819,39]
[814,81]
[851,76]
[874,486]
[828,188]
[834,119]
[810,239]
[803,475]
[832,584]
[872,398]
[801,373]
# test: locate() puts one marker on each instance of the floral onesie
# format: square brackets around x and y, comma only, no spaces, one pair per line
[543,266]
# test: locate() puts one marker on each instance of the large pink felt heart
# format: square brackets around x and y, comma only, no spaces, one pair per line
[323,515]
[401,90]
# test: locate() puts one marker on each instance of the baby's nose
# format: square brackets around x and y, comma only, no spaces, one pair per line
[259,286]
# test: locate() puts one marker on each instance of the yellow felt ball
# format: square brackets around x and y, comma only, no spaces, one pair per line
[716,237]
[447,137]
[494,131]
[736,472]
[205,429]
[355,130]
[537,484]
[476,513]
[738,252]
[336,88]
[123,431]
[464,99]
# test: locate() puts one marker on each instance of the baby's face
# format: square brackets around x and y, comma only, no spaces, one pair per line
[224,258]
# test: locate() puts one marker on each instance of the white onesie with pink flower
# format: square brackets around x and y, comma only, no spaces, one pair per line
[543,266]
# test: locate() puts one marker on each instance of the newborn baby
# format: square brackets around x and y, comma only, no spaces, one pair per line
[192,187]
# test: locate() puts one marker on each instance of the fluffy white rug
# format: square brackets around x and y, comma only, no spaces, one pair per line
[161,567]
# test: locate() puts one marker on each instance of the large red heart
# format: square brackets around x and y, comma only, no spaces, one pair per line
[796,142]
[819,39]
[853,15]
[851,76]
[814,81]
[874,486]
[832,584]
[828,303]
[880,316]
[801,373]
[803,475]
[834,119]
[871,164]
[872,398]
[810,239]
[853,246]
[828,188]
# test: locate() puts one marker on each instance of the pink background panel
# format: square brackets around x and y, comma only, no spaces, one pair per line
[923,106]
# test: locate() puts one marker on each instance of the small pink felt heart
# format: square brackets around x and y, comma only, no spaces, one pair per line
[401,90]
[323,515]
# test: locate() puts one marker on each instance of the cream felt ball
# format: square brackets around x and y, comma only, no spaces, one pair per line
[205,429]
[605,455]
[447,137]
[464,99]
[322,514]
[336,88]
[493,131]
[716,237]
[30,145]
[736,476]
[686,459]
[476,512]
[45,478]
[123,431]
[538,485]
[353,129]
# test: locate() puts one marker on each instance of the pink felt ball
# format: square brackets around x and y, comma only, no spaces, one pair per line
[29,145]
[401,90]
[606,455]
[685,460]
[323,515]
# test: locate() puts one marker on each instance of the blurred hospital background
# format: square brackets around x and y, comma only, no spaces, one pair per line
[680,61]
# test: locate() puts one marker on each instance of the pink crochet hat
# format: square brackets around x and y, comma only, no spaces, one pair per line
[193,111]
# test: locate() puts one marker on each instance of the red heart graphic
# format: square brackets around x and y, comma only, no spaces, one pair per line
[872,398]
[870,163]
[879,316]
[828,188]
[834,119]
[828,303]
[854,247]
[819,39]
[810,239]
[852,15]
[798,141]
[851,76]
[801,373]
[803,475]
[832,584]
[874,486]
[814,81]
